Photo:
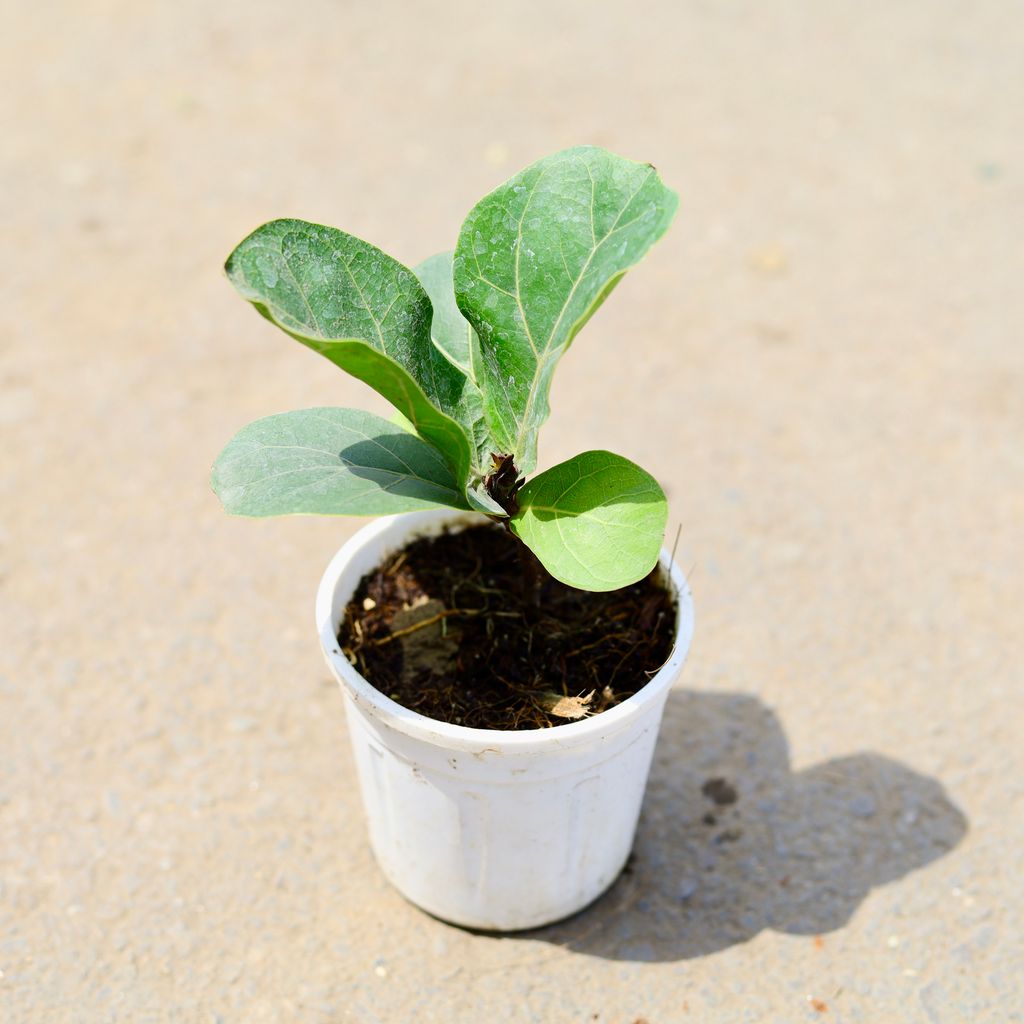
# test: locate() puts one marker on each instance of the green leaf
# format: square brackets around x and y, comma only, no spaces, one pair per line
[331,462]
[535,259]
[368,314]
[449,329]
[596,521]
[457,341]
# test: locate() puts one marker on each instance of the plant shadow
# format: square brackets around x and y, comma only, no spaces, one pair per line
[403,464]
[732,842]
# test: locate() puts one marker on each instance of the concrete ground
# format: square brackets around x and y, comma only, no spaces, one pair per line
[822,363]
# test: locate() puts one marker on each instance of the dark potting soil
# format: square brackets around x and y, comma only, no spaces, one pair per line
[466,627]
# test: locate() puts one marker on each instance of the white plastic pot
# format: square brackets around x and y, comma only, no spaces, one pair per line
[485,828]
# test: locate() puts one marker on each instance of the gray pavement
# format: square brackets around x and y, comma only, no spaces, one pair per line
[822,362]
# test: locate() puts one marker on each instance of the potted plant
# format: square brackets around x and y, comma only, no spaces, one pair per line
[491,602]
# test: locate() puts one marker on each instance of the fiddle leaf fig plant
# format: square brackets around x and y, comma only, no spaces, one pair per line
[464,347]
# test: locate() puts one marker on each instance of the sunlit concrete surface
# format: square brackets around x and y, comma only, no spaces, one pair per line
[822,362]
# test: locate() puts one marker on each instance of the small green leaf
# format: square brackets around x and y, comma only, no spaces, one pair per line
[401,420]
[331,462]
[457,341]
[368,314]
[450,330]
[596,521]
[535,259]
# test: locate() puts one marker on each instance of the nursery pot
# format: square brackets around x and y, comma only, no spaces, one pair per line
[492,829]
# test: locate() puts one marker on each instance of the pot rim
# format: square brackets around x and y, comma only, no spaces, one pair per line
[461,737]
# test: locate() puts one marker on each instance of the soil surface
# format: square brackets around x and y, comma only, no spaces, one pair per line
[466,627]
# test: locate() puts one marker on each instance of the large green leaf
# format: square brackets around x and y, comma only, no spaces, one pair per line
[596,521]
[456,339]
[365,312]
[535,259]
[331,462]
